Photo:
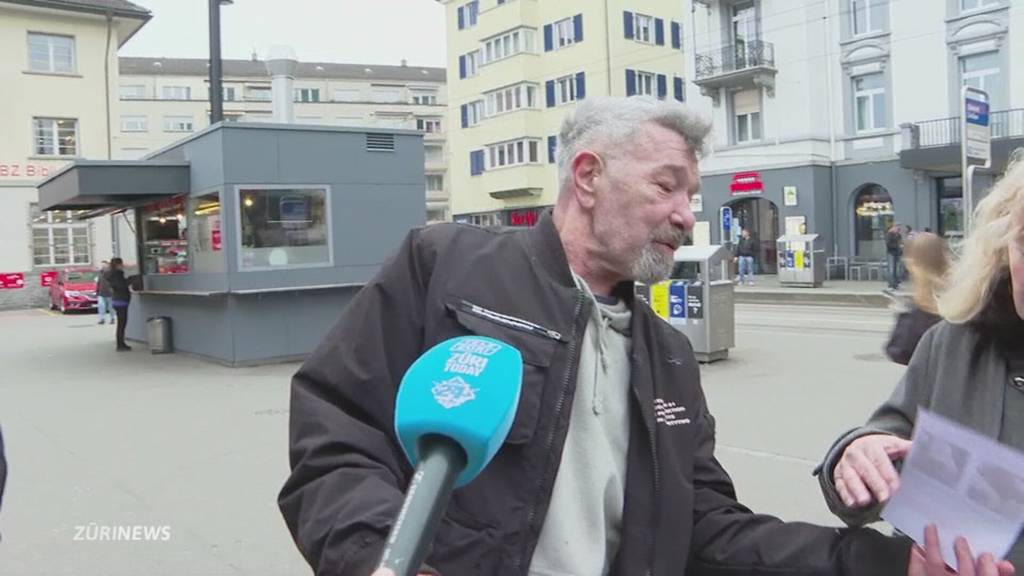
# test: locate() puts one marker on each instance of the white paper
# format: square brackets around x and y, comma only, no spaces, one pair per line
[963,482]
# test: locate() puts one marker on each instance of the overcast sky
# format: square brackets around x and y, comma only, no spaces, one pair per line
[356,31]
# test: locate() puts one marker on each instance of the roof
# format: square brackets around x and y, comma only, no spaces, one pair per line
[258,69]
[119,7]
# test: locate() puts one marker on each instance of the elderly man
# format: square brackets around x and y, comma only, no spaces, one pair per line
[609,467]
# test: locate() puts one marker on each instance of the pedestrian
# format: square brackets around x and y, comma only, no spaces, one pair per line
[969,367]
[609,465]
[746,251]
[104,306]
[894,252]
[121,297]
[927,261]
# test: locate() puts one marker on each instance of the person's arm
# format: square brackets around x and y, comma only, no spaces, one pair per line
[348,472]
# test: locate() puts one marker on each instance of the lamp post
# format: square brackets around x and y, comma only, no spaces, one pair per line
[216,92]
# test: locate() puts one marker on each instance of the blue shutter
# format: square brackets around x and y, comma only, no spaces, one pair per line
[549,87]
[577,26]
[677,36]
[581,86]
[552,147]
[465,115]
[473,8]
[659,31]
[662,86]
[549,39]
[476,162]
[677,83]
[630,82]
[500,2]
[462,66]
[627,24]
[462,18]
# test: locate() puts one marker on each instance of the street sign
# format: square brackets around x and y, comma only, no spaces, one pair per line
[978,134]
[726,224]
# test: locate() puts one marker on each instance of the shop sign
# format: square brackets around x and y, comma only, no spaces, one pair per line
[789,195]
[12,281]
[23,170]
[47,278]
[526,217]
[746,183]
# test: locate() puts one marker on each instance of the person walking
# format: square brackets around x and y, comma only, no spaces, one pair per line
[104,295]
[894,253]
[926,258]
[746,251]
[121,297]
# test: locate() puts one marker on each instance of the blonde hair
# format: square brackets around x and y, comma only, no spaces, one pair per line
[927,259]
[983,258]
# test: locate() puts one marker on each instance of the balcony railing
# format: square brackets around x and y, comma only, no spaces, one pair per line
[735,57]
[946,131]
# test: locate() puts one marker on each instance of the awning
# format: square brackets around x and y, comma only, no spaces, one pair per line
[106,186]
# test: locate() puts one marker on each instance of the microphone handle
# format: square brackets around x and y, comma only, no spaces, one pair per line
[441,462]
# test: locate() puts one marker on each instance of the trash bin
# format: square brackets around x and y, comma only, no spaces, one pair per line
[159,328]
[698,300]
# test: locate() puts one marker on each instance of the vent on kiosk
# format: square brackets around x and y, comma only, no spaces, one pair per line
[380,142]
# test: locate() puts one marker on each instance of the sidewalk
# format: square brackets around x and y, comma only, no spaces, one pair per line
[767,290]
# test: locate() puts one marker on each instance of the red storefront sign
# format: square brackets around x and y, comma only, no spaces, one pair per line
[12,281]
[523,217]
[746,183]
[47,278]
[23,170]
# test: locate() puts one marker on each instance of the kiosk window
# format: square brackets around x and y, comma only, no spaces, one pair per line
[283,227]
[165,237]
[207,247]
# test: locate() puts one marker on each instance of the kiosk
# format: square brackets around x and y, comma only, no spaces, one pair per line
[801,262]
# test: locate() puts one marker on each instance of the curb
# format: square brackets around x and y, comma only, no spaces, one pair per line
[812,297]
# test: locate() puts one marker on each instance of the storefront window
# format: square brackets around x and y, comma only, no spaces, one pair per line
[165,237]
[207,246]
[873,216]
[951,208]
[283,227]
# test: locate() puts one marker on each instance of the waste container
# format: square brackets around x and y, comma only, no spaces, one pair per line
[801,262]
[159,328]
[698,300]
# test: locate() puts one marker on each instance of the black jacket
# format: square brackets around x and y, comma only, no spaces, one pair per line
[894,243]
[746,247]
[119,285]
[103,284]
[681,516]
[909,328]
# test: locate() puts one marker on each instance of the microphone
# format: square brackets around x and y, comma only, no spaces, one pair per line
[455,406]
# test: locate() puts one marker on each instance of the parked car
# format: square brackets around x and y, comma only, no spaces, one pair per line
[74,289]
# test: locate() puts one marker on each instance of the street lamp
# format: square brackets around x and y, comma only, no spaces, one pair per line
[216,92]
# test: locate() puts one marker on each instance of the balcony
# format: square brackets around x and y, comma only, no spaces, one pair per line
[749,64]
[935,144]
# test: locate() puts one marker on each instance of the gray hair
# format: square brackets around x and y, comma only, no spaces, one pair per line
[607,124]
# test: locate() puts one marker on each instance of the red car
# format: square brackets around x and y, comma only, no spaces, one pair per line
[74,289]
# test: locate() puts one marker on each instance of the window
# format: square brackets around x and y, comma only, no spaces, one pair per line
[643,24]
[951,207]
[982,71]
[474,113]
[307,94]
[258,93]
[164,227]
[566,90]
[968,5]
[387,94]
[134,123]
[513,153]
[645,83]
[58,240]
[435,183]
[176,93]
[55,136]
[508,44]
[868,16]
[869,102]
[469,64]
[564,33]
[429,125]
[227,93]
[511,98]
[51,53]
[133,92]
[467,14]
[346,95]
[424,97]
[283,227]
[873,216]
[177,123]
[205,234]
[433,154]
[746,116]
[484,220]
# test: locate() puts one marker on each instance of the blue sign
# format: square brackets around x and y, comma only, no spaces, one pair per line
[789,260]
[726,224]
[977,112]
[677,300]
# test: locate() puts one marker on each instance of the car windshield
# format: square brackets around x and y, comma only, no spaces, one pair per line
[81,277]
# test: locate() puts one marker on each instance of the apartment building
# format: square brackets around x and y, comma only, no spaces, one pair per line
[58,63]
[162,100]
[517,66]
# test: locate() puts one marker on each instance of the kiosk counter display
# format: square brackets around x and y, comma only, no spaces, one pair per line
[165,237]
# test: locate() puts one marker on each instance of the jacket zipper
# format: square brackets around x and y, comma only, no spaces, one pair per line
[509,321]
[652,436]
[566,381]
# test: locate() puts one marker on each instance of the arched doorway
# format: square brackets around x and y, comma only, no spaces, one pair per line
[873,215]
[762,217]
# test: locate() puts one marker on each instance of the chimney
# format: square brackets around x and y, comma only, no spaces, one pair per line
[253,56]
[281,65]
[404,63]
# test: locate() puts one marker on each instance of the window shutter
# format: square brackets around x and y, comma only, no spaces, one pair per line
[577,26]
[662,86]
[659,31]
[677,36]
[630,82]
[465,115]
[476,162]
[462,18]
[581,86]
[627,24]
[678,86]
[462,66]
[552,147]
[549,87]
[549,40]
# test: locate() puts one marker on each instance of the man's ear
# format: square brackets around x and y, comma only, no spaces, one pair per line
[587,167]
